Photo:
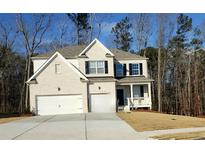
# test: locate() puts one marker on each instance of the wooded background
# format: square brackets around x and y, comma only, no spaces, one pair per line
[176,60]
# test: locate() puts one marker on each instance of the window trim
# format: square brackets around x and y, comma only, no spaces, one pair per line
[137,69]
[102,66]
[137,89]
[122,67]
[57,69]
[96,66]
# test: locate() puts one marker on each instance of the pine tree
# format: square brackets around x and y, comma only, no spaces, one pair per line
[179,46]
[81,22]
[123,37]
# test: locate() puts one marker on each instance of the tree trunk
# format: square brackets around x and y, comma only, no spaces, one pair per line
[23,89]
[27,86]
[159,81]
[189,85]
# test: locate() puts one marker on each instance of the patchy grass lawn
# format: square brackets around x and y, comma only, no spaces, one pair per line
[10,119]
[181,136]
[148,121]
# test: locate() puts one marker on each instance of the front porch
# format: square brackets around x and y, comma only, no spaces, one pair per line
[131,96]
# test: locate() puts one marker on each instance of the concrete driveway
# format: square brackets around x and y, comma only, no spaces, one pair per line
[91,126]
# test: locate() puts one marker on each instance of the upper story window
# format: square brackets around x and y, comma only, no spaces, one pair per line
[120,70]
[57,68]
[100,67]
[96,67]
[135,69]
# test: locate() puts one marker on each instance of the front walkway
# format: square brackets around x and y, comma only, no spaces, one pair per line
[149,134]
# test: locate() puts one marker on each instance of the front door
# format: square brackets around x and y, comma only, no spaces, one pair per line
[120,97]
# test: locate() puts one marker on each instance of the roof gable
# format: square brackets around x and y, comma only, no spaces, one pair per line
[96,41]
[80,74]
[75,51]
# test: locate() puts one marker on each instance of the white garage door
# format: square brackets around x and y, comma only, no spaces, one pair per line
[102,103]
[52,105]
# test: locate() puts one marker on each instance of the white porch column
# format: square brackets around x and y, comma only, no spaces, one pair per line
[131,93]
[149,94]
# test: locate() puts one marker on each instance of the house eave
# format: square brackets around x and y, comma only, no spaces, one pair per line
[32,82]
[133,80]
[38,58]
[119,59]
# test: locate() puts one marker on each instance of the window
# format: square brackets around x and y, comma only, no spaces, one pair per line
[96,67]
[100,67]
[138,91]
[135,69]
[57,68]
[92,67]
[119,70]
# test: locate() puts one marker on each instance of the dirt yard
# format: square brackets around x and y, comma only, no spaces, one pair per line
[10,119]
[148,121]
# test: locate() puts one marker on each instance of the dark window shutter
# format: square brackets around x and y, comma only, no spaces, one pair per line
[106,67]
[124,70]
[141,69]
[87,67]
[115,69]
[142,91]
[130,69]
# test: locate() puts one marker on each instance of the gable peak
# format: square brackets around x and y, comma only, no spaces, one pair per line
[91,44]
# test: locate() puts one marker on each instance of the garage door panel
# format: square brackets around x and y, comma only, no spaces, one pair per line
[51,105]
[102,103]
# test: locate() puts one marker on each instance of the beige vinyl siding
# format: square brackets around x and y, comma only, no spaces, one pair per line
[48,83]
[97,53]
[37,63]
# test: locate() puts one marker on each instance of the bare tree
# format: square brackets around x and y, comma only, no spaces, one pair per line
[143,30]
[32,34]
[97,24]
[11,66]
[62,27]
[160,43]
[165,29]
[7,35]
[7,39]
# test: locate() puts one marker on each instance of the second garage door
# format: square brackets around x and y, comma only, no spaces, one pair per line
[53,105]
[102,103]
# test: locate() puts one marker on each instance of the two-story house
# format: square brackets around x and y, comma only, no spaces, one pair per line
[81,79]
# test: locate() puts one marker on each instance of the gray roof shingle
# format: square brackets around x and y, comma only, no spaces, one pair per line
[68,52]
[123,55]
[134,79]
[99,79]
[71,52]
[127,79]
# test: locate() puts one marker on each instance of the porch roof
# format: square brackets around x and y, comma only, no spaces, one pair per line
[134,79]
[101,79]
